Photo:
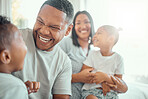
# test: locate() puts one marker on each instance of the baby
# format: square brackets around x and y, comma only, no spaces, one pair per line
[12,53]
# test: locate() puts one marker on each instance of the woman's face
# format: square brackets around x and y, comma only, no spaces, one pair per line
[82,26]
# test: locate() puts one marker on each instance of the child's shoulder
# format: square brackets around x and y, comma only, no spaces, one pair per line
[8,79]
[94,52]
[11,84]
[118,56]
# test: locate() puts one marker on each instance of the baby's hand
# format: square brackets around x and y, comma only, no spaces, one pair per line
[105,88]
[32,87]
[99,77]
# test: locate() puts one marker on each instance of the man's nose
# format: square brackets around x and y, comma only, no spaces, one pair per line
[45,30]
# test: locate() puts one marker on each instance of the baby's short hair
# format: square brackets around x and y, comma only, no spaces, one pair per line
[111,30]
[5,33]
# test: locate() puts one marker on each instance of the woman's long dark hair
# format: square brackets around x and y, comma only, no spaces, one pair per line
[74,35]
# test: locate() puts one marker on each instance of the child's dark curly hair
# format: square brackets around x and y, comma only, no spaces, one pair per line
[4,20]
[5,33]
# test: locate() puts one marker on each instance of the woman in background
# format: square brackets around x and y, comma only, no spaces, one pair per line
[77,47]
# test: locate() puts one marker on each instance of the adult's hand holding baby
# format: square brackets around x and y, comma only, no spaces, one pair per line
[121,86]
[86,76]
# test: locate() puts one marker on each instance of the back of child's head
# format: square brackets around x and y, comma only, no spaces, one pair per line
[5,33]
[112,31]
[11,42]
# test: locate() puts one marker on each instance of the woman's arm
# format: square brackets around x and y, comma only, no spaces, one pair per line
[100,77]
[60,96]
[121,86]
[85,67]
[84,76]
[115,82]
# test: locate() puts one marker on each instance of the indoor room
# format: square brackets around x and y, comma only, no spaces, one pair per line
[130,16]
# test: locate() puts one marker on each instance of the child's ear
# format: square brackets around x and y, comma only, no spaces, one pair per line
[5,57]
[69,29]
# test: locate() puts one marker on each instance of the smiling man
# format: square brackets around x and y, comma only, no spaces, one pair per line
[45,62]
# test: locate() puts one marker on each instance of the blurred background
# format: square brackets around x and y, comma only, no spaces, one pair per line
[130,15]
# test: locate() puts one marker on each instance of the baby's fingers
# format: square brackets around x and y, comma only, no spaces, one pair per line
[36,86]
[29,85]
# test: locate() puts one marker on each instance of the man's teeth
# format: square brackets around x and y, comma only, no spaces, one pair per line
[44,39]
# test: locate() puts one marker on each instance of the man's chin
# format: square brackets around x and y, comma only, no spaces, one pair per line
[45,49]
[18,69]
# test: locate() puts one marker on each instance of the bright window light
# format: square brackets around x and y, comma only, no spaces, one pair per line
[24,12]
[132,17]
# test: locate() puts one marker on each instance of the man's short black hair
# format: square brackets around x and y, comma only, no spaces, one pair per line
[5,33]
[62,5]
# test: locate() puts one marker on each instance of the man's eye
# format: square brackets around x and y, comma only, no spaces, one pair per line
[40,22]
[54,28]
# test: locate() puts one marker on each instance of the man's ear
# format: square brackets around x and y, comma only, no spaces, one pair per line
[69,29]
[5,57]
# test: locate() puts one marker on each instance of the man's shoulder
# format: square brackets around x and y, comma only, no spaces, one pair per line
[26,34]
[61,52]
[66,40]
[61,60]
[26,30]
[62,56]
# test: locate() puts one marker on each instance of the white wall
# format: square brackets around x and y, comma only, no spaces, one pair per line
[132,16]
[78,5]
[5,8]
